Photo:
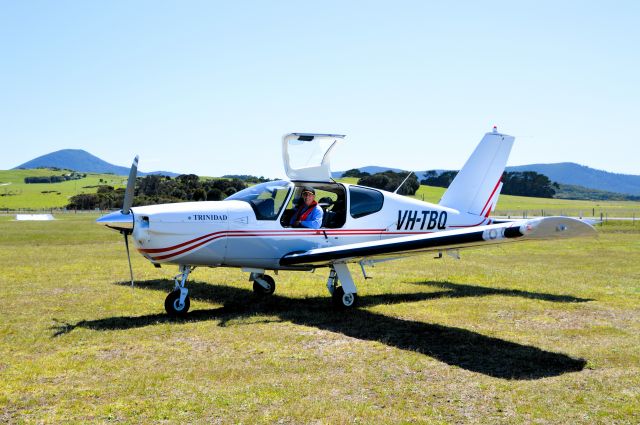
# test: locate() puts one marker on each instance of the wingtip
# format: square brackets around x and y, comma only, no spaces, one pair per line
[557,227]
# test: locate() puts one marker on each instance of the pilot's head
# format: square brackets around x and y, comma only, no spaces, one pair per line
[308,195]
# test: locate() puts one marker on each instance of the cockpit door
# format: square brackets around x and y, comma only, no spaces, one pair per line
[306,156]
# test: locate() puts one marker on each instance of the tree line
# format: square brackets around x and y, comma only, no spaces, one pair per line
[390,181]
[54,179]
[156,189]
[526,183]
[520,183]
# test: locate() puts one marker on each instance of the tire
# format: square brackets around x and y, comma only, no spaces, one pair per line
[260,290]
[171,304]
[343,301]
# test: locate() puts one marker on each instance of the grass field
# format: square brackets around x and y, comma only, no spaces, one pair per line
[16,194]
[524,333]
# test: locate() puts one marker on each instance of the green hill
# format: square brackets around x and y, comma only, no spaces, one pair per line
[16,194]
[570,173]
[82,161]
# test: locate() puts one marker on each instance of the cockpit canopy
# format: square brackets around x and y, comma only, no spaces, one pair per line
[266,199]
[306,156]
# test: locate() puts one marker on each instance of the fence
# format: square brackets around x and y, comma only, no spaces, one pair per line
[603,215]
[8,211]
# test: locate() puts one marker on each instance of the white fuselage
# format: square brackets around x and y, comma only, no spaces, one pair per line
[227,233]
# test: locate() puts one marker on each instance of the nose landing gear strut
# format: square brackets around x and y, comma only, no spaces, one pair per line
[177,302]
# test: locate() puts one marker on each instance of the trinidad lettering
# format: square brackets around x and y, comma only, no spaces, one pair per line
[208,217]
[426,219]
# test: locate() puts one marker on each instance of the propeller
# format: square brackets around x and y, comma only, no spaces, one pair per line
[131,184]
[126,208]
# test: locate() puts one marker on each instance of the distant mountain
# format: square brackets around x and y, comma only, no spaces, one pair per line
[82,161]
[371,169]
[570,173]
[570,191]
[565,173]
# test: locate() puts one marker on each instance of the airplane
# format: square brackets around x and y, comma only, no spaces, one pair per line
[250,229]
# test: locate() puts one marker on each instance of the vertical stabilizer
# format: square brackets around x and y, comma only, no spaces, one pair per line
[476,187]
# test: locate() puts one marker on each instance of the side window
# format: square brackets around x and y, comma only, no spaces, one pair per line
[364,201]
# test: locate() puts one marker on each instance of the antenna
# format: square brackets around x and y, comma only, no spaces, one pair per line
[403,181]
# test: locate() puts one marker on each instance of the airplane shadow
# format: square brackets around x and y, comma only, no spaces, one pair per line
[458,290]
[454,346]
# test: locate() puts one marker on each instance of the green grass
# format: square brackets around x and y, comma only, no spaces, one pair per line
[522,333]
[16,194]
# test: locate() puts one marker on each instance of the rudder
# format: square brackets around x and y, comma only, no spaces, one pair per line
[476,187]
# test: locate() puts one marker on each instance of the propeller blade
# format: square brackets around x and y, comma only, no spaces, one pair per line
[126,243]
[131,184]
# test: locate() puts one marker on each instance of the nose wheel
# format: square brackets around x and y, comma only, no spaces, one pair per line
[174,307]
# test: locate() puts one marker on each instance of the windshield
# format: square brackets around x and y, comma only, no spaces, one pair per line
[266,199]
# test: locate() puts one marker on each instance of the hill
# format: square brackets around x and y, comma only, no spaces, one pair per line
[570,173]
[371,169]
[570,191]
[83,161]
[577,179]
[16,194]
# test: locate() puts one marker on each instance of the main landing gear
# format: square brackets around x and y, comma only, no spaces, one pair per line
[263,284]
[177,302]
[344,296]
[340,285]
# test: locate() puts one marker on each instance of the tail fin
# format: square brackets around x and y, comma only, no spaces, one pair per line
[476,187]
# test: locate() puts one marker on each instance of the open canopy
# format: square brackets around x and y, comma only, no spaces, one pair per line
[306,156]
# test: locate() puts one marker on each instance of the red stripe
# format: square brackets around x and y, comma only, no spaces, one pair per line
[490,196]
[266,232]
[240,233]
[248,233]
[154,250]
[174,254]
[407,233]
[162,257]
[472,225]
[488,211]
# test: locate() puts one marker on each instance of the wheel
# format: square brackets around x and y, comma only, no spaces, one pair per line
[261,290]
[342,300]
[171,304]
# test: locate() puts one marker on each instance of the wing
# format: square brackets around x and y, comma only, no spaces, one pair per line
[534,229]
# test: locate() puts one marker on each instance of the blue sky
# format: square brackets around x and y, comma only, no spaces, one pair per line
[211,87]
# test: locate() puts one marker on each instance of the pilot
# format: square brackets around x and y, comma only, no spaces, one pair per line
[308,213]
